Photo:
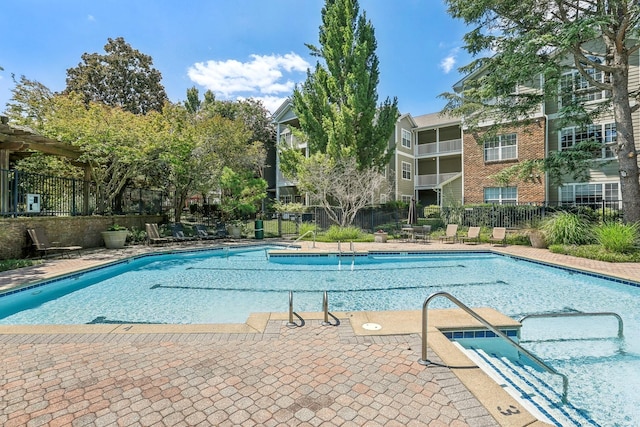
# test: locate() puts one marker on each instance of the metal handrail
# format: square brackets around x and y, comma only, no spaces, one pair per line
[290,323]
[325,309]
[425,361]
[593,314]
[300,237]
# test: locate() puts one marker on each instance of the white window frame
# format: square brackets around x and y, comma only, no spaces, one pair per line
[574,85]
[405,137]
[501,147]
[406,198]
[585,193]
[504,196]
[604,133]
[406,171]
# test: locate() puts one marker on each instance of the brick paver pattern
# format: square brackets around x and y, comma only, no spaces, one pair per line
[311,375]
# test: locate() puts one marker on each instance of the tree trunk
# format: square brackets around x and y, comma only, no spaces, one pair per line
[626,148]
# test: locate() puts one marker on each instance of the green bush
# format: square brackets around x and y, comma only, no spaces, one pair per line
[567,228]
[12,264]
[596,252]
[305,227]
[343,234]
[617,237]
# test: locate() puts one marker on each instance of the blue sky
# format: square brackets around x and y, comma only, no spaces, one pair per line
[238,49]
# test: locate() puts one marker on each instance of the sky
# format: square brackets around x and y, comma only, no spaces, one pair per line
[238,49]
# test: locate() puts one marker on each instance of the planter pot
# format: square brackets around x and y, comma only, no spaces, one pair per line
[537,240]
[115,239]
[380,237]
[235,231]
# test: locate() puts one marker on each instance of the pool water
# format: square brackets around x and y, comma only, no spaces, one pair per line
[225,286]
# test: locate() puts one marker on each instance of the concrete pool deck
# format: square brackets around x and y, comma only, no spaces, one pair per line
[258,373]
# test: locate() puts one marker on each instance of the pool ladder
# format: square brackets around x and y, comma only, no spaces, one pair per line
[425,361]
[325,311]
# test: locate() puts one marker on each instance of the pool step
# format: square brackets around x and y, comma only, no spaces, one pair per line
[539,392]
[573,349]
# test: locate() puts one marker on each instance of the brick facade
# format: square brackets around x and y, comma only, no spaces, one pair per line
[477,172]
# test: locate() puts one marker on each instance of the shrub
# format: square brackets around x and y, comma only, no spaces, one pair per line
[567,228]
[305,227]
[617,237]
[343,234]
[596,252]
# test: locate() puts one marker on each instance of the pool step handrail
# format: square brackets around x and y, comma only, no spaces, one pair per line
[425,361]
[300,237]
[325,309]
[291,323]
[578,314]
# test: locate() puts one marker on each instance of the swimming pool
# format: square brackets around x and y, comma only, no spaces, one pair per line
[224,286]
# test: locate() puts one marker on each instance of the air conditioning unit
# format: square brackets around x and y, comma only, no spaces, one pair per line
[33,203]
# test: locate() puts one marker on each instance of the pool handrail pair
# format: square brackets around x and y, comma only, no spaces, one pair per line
[425,361]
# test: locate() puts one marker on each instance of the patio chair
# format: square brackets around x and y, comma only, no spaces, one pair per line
[153,235]
[42,244]
[451,235]
[422,233]
[177,231]
[202,233]
[499,236]
[221,230]
[473,236]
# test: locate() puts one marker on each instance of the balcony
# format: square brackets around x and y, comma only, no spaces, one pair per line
[453,146]
[434,180]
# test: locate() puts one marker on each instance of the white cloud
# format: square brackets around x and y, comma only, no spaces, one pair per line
[91,18]
[449,61]
[262,77]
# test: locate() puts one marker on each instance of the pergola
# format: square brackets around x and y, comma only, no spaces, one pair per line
[18,142]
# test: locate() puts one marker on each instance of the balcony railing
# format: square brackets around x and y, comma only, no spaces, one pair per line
[441,147]
[433,180]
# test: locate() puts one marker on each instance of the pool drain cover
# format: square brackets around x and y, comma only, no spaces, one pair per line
[371,326]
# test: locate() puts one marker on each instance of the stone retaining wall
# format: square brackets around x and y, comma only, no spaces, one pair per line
[65,231]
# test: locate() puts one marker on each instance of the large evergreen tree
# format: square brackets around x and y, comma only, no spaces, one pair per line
[123,77]
[337,105]
[524,41]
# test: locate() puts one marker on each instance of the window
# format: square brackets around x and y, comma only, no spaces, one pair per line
[603,133]
[406,170]
[406,199]
[588,193]
[575,87]
[501,195]
[406,138]
[501,147]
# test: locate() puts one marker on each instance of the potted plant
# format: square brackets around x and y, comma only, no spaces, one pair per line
[537,239]
[380,236]
[240,196]
[115,236]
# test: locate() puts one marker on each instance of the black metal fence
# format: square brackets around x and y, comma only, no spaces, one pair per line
[32,194]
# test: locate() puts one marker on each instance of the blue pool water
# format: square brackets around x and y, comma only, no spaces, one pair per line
[225,286]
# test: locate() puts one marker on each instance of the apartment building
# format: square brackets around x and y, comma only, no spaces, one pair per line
[439,162]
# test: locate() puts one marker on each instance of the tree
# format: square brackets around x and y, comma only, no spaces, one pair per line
[30,102]
[337,104]
[528,40]
[113,142]
[123,77]
[196,149]
[339,186]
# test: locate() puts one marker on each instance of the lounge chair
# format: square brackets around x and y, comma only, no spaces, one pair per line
[473,235]
[451,235]
[221,230]
[153,235]
[422,233]
[177,231]
[499,236]
[42,244]
[202,233]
